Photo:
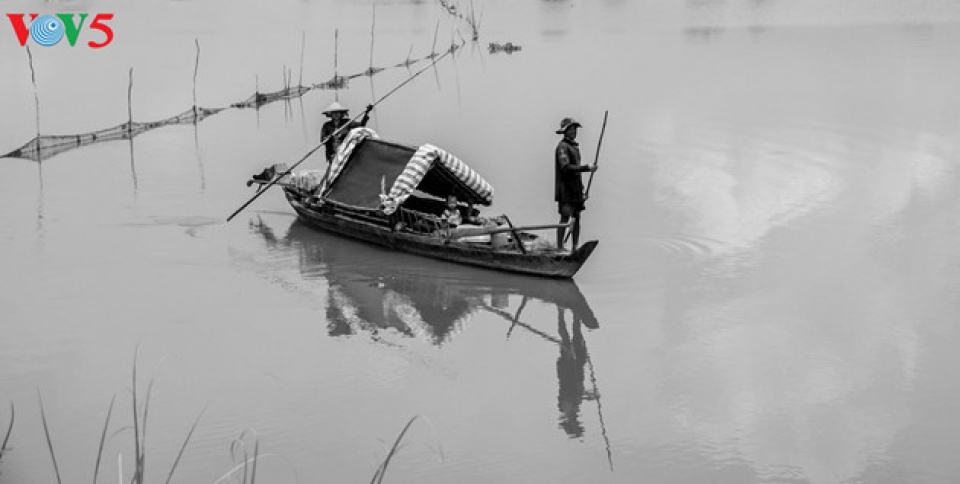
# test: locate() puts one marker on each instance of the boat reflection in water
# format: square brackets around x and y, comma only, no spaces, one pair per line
[376,291]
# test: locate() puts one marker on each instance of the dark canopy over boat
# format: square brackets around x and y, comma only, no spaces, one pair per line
[394,195]
[365,164]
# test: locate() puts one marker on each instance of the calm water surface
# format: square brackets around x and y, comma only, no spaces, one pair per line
[774,297]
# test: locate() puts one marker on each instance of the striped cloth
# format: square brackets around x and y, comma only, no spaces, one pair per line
[344,151]
[421,162]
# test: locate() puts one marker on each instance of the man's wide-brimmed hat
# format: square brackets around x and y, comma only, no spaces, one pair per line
[566,123]
[335,107]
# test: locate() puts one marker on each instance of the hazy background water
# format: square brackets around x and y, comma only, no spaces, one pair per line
[774,297]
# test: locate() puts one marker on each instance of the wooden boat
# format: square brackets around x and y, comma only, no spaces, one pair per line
[350,198]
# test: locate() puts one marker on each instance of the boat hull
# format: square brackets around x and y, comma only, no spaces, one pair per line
[547,264]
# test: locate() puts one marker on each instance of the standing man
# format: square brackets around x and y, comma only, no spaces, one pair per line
[568,191]
[339,116]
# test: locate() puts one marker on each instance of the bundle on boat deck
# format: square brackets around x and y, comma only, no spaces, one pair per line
[394,195]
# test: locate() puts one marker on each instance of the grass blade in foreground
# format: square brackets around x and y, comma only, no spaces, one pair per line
[382,469]
[103,438]
[137,477]
[46,430]
[143,432]
[6,438]
[183,447]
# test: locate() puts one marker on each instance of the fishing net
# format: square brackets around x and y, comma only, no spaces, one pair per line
[262,98]
[46,146]
[43,147]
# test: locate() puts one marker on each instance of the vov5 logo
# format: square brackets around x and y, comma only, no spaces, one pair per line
[48,30]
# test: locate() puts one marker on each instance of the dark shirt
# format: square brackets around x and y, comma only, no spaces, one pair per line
[333,142]
[568,185]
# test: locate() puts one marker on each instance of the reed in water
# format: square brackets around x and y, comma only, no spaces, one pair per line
[244,450]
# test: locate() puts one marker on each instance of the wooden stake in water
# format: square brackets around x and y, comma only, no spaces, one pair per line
[436,33]
[196,69]
[36,97]
[303,47]
[433,52]
[371,71]
[196,118]
[133,168]
[130,104]
[373,28]
[336,75]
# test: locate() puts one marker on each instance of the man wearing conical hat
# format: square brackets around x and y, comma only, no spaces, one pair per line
[331,132]
[568,187]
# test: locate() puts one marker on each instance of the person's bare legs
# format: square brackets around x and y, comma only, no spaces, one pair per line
[561,231]
[576,232]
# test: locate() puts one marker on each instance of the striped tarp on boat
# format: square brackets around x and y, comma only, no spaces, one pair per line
[422,162]
[344,151]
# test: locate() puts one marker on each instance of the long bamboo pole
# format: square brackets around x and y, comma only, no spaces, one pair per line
[596,161]
[336,75]
[130,104]
[303,48]
[596,158]
[196,70]
[36,97]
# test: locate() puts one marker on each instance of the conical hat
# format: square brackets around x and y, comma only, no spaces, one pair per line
[334,107]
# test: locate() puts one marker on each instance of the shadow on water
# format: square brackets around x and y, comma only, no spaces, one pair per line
[375,291]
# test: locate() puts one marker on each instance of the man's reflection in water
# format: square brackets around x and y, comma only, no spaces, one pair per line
[570,365]
[570,374]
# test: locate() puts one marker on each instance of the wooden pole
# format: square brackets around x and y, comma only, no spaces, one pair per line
[36,97]
[436,32]
[303,47]
[433,52]
[596,158]
[130,104]
[456,69]
[373,27]
[196,69]
[36,100]
[336,75]
[133,168]
[371,71]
